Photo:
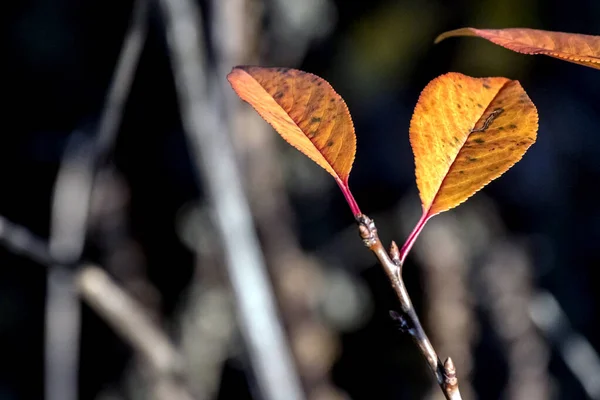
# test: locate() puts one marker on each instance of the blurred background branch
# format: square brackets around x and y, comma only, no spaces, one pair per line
[129,319]
[201,105]
[69,220]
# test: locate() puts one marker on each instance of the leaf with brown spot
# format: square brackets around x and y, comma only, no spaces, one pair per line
[484,150]
[573,47]
[305,110]
[460,150]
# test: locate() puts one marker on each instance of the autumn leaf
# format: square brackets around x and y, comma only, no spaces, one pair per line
[305,110]
[465,132]
[573,47]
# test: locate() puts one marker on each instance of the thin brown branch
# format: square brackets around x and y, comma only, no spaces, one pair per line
[445,374]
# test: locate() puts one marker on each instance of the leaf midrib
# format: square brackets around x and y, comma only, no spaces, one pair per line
[437,192]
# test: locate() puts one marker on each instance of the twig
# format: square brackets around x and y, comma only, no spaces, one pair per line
[215,162]
[409,321]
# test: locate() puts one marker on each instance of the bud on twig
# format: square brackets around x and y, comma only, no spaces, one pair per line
[450,380]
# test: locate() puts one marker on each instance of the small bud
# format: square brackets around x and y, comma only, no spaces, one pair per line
[450,372]
[364,232]
[367,230]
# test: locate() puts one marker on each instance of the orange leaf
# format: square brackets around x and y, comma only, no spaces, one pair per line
[465,132]
[306,111]
[573,47]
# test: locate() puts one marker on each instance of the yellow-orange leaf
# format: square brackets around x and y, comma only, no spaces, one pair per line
[465,132]
[305,110]
[573,47]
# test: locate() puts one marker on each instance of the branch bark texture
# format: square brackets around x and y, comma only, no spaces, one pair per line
[445,373]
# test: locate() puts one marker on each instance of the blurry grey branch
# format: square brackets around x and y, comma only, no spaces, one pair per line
[70,208]
[206,323]
[295,24]
[200,106]
[120,311]
[409,321]
[122,81]
[576,350]
[505,289]
[238,38]
[67,237]
[22,242]
[130,320]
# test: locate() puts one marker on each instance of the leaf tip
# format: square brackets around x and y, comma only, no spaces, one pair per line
[439,38]
[239,69]
[453,33]
[233,74]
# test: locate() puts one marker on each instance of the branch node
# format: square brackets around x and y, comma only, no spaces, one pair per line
[367,230]
[450,378]
[395,256]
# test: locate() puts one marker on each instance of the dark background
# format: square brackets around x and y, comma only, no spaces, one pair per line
[57,62]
